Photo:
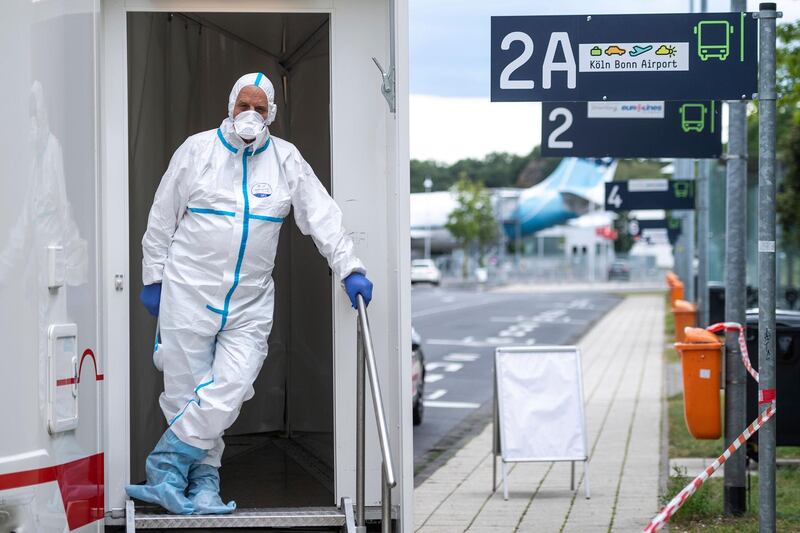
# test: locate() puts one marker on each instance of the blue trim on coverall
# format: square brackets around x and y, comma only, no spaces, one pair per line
[242,245]
[207,383]
[204,211]
[245,231]
[268,219]
[225,142]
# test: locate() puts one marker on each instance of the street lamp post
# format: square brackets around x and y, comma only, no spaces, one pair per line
[428,184]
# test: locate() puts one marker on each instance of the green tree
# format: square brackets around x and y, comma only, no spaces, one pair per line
[632,169]
[788,104]
[788,200]
[497,169]
[624,241]
[472,222]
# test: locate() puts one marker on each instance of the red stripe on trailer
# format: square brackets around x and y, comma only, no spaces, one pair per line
[80,483]
[71,381]
[89,353]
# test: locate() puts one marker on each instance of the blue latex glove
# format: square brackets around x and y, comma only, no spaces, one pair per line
[151,297]
[167,469]
[357,283]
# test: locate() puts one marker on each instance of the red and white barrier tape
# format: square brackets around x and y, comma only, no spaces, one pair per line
[734,326]
[666,513]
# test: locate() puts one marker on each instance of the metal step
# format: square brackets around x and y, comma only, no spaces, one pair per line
[283,518]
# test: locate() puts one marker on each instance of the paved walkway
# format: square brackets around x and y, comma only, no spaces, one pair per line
[622,372]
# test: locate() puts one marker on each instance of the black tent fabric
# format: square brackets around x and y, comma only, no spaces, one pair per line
[181,67]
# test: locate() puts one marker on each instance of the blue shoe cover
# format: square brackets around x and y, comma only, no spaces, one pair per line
[167,469]
[204,491]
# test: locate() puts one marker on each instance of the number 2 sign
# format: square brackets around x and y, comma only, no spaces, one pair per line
[654,128]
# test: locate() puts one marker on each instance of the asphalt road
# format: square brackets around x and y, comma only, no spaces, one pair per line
[460,330]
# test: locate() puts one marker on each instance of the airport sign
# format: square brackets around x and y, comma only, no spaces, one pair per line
[655,229]
[649,194]
[648,129]
[581,58]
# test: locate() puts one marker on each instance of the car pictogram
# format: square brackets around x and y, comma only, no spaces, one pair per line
[615,50]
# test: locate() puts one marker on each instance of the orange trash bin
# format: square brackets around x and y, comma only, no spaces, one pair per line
[685,314]
[676,292]
[701,361]
[672,278]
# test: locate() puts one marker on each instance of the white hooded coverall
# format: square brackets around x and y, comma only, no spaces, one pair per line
[211,240]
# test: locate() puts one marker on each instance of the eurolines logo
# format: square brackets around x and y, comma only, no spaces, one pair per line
[643,107]
[646,109]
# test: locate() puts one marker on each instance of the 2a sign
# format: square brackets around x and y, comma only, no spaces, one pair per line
[703,56]
[632,129]
[649,194]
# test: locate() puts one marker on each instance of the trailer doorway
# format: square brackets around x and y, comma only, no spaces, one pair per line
[181,67]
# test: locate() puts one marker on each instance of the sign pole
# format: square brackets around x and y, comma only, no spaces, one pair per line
[766,261]
[702,241]
[735,495]
[702,229]
[684,257]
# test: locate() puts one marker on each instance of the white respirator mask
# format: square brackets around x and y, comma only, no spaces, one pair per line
[248,124]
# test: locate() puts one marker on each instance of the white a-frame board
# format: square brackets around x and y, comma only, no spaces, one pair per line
[539,413]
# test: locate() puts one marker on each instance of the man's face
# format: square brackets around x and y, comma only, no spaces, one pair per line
[251,98]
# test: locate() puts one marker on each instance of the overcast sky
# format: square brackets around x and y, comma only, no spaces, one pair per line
[451,116]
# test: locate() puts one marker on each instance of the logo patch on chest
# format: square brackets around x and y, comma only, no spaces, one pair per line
[261,190]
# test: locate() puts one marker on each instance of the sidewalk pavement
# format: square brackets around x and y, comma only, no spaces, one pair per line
[622,373]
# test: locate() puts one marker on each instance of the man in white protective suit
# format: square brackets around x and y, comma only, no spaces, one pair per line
[209,251]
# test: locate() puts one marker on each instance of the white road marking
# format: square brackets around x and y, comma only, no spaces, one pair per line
[435,395]
[580,304]
[467,343]
[454,342]
[452,405]
[518,318]
[447,367]
[433,378]
[448,299]
[498,340]
[461,306]
[462,357]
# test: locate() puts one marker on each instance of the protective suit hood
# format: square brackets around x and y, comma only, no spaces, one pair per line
[263,83]
[260,81]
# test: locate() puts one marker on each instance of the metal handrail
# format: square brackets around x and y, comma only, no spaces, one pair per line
[366,358]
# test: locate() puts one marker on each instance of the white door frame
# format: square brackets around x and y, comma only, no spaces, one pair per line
[113,60]
[116,276]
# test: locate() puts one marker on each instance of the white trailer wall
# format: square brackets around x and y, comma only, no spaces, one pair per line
[49,200]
